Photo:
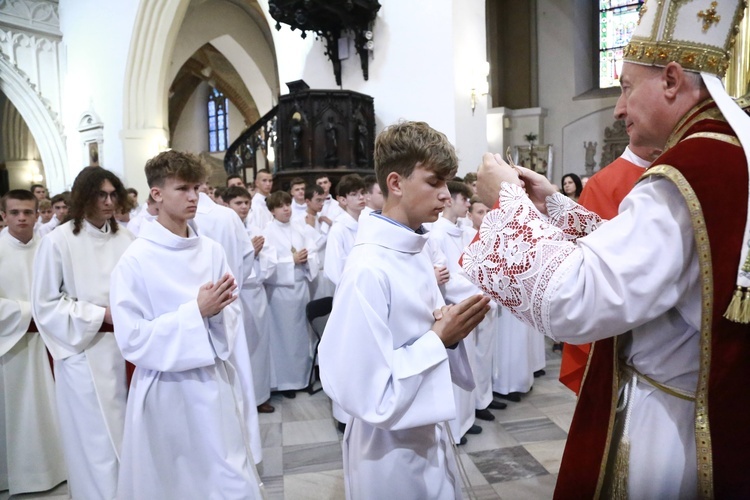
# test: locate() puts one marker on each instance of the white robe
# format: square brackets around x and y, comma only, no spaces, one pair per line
[331,208]
[452,240]
[47,227]
[340,242]
[382,363]
[320,286]
[134,226]
[454,291]
[637,272]
[259,216]
[288,294]
[223,225]
[298,209]
[256,316]
[185,434]
[70,291]
[31,457]
[511,362]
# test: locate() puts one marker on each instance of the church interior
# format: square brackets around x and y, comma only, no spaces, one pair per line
[303,87]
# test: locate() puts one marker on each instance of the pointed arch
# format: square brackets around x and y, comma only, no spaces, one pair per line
[43,126]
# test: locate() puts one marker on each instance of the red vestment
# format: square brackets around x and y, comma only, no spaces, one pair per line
[704,160]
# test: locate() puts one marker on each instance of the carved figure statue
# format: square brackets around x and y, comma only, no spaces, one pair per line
[590,148]
[296,133]
[362,143]
[332,142]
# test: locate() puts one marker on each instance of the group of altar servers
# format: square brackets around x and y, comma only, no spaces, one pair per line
[203,360]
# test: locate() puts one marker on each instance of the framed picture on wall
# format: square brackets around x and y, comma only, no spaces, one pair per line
[537,158]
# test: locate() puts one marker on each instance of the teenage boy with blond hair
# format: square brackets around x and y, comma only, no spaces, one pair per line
[177,320]
[384,357]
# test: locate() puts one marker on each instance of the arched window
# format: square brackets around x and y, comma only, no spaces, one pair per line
[218,122]
[617,20]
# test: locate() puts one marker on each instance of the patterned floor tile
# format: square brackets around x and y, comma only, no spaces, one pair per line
[533,430]
[312,458]
[507,464]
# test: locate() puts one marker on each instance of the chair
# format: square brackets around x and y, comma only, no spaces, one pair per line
[317,312]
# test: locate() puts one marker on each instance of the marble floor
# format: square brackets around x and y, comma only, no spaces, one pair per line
[517,456]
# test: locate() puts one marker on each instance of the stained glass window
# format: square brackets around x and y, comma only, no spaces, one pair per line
[617,20]
[218,121]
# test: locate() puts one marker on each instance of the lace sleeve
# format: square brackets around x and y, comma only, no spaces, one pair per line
[567,215]
[517,254]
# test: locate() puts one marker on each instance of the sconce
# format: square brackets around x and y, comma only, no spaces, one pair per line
[482,87]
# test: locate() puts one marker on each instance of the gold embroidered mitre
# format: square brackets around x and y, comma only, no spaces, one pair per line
[697,34]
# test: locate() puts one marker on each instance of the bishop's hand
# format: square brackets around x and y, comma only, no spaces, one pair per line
[492,173]
[214,297]
[455,322]
[538,187]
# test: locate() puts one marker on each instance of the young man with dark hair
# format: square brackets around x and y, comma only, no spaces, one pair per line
[297,190]
[351,198]
[373,195]
[60,213]
[316,227]
[39,191]
[288,293]
[331,208]
[70,304]
[177,320]
[384,357]
[260,216]
[235,180]
[31,458]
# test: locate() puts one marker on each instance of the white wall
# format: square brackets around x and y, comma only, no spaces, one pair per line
[424,54]
[568,122]
[97,40]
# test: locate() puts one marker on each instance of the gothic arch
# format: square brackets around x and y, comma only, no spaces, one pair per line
[46,130]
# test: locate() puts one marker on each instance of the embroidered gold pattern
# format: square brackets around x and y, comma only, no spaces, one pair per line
[709,16]
[702,427]
[643,10]
[715,136]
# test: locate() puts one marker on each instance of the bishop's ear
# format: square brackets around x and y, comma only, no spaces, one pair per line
[673,79]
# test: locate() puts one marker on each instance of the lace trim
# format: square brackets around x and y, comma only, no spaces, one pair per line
[519,251]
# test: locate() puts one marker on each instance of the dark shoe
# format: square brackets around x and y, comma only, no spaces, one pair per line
[557,346]
[539,373]
[289,394]
[341,426]
[512,396]
[266,408]
[463,441]
[475,429]
[497,405]
[484,415]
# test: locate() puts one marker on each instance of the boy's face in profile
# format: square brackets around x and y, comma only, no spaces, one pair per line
[423,195]
[177,198]
[353,202]
[460,205]
[282,213]
[241,206]
[316,203]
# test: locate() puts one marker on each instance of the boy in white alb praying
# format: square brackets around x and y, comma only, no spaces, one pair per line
[177,320]
[351,197]
[254,301]
[288,293]
[384,357]
[31,457]
[316,227]
[70,305]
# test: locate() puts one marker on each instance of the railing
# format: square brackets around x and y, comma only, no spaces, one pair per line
[242,155]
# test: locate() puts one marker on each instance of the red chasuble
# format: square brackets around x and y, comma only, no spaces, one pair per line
[704,160]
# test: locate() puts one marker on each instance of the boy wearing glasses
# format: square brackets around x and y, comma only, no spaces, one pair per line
[70,305]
